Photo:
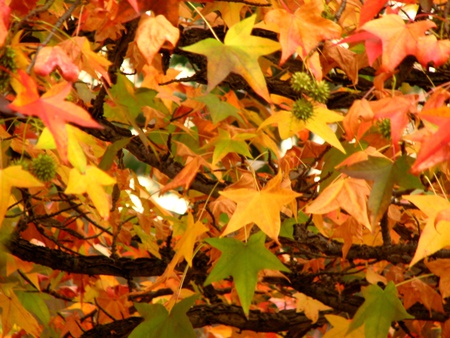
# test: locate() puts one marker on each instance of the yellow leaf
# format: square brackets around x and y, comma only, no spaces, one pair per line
[14,176]
[235,56]
[91,183]
[13,313]
[434,236]
[310,306]
[262,207]
[340,328]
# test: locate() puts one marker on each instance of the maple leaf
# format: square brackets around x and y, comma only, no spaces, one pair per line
[219,110]
[52,109]
[79,51]
[243,261]
[185,246]
[152,34]
[434,148]
[289,125]
[303,29]
[50,58]
[371,165]
[91,182]
[434,236]
[159,323]
[4,21]
[418,291]
[14,176]
[235,56]
[340,328]
[390,38]
[440,267]
[379,310]
[347,193]
[230,12]
[13,313]
[309,306]
[268,203]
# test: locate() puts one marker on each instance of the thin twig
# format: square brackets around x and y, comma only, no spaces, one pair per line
[58,24]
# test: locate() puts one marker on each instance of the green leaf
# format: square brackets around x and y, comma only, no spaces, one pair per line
[238,54]
[111,152]
[35,303]
[379,310]
[159,323]
[243,261]
[219,110]
[225,144]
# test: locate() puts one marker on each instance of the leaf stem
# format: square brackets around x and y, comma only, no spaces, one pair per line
[204,19]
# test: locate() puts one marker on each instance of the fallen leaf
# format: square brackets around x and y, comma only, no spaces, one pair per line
[233,56]
[268,202]
[51,108]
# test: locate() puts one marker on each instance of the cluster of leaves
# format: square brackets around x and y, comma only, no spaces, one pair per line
[114,112]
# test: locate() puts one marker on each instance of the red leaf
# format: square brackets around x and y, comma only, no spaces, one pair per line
[52,109]
[50,58]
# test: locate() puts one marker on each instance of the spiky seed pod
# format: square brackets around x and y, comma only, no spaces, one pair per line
[301,81]
[7,62]
[320,91]
[43,167]
[384,126]
[302,109]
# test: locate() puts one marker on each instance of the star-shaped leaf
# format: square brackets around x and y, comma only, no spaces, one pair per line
[289,125]
[243,261]
[305,28]
[262,207]
[91,182]
[238,54]
[14,176]
[51,108]
[436,234]
[379,310]
[159,323]
[224,144]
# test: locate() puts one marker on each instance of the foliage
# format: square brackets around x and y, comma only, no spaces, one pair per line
[146,189]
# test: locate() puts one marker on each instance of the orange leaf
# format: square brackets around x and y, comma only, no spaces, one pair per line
[347,193]
[262,207]
[418,291]
[10,177]
[304,29]
[52,109]
[50,58]
[153,33]
[441,267]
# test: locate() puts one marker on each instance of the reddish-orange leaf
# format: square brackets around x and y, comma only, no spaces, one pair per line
[50,58]
[347,193]
[52,109]
[370,9]
[358,120]
[391,38]
[429,49]
[4,21]
[305,28]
